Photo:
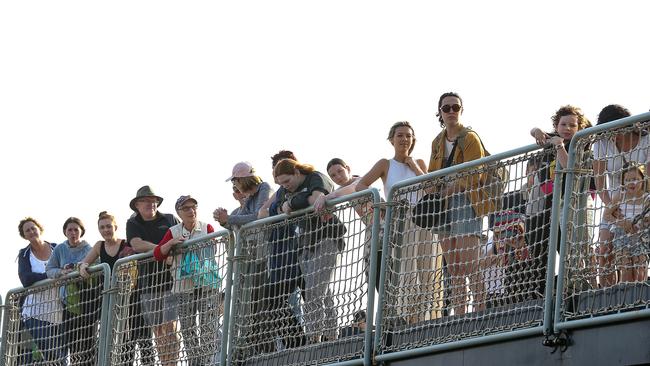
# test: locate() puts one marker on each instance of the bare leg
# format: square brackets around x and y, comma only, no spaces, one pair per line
[469,255]
[167,343]
[607,273]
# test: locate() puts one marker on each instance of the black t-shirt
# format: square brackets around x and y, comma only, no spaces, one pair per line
[152,275]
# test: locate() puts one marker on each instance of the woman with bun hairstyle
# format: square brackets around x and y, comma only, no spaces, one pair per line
[109,251]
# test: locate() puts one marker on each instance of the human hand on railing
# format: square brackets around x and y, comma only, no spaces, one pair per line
[286,208]
[68,268]
[541,138]
[83,269]
[320,203]
[556,141]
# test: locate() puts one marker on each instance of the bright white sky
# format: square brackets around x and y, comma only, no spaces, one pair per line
[100,98]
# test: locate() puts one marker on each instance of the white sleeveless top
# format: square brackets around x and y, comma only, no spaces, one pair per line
[398,172]
[43,305]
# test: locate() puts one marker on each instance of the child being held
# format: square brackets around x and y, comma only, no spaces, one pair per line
[631,223]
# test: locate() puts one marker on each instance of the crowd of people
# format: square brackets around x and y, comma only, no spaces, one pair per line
[450,263]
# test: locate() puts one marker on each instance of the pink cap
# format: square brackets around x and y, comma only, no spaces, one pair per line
[242,170]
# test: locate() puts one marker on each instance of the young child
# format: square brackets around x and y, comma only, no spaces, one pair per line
[512,251]
[493,267]
[628,226]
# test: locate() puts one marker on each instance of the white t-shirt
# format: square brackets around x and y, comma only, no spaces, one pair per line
[606,150]
[45,304]
[493,272]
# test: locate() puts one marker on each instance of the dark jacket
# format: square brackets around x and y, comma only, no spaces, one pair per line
[27,277]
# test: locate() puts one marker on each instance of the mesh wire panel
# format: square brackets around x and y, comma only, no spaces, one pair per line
[608,226]
[468,253]
[171,311]
[55,323]
[300,288]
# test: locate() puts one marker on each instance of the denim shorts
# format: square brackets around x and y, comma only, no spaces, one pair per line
[159,307]
[460,217]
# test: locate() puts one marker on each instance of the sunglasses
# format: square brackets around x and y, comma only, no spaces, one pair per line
[453,107]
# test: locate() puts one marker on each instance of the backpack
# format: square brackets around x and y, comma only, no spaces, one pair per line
[496,176]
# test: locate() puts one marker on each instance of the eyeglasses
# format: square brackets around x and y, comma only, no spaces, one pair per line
[188,208]
[447,108]
[148,200]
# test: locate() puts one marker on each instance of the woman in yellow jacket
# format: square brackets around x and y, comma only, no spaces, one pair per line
[465,203]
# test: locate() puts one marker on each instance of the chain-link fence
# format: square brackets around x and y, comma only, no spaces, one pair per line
[170,309]
[300,293]
[605,255]
[55,322]
[467,252]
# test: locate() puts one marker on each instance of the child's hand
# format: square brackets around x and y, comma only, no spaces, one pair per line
[612,212]
[556,141]
[627,226]
[521,254]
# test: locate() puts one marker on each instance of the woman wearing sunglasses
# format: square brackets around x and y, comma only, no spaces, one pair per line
[465,203]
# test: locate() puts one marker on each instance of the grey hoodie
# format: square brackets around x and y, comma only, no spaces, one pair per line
[64,254]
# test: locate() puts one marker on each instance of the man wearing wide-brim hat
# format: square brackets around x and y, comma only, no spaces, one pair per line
[144,231]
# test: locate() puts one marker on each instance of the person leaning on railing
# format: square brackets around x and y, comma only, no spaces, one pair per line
[322,240]
[281,292]
[109,251]
[196,282]
[340,173]
[81,309]
[41,311]
[566,121]
[466,203]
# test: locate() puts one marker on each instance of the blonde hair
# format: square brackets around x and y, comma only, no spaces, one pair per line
[394,128]
[640,168]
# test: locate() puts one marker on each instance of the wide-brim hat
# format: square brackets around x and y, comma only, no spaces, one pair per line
[144,191]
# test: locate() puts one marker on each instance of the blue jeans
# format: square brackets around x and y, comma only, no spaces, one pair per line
[48,338]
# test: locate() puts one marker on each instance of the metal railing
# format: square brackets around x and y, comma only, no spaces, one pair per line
[603,276]
[300,289]
[171,310]
[469,273]
[56,321]
[301,285]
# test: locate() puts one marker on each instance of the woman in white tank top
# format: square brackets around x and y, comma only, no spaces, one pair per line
[418,263]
